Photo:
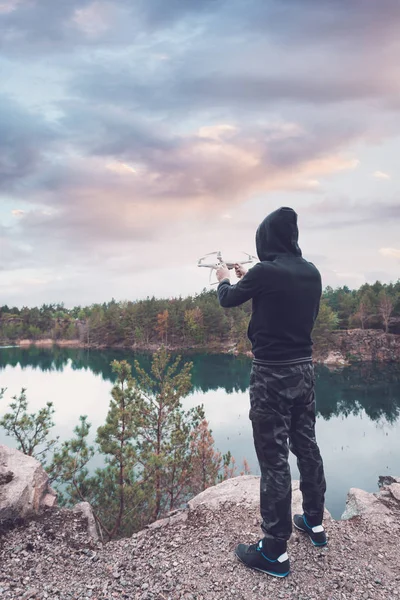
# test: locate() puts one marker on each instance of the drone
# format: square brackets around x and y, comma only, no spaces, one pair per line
[220,261]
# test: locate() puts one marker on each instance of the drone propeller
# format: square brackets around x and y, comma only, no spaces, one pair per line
[251,257]
[219,261]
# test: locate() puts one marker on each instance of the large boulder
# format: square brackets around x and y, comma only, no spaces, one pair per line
[244,489]
[24,486]
[364,504]
[241,491]
[378,506]
[238,490]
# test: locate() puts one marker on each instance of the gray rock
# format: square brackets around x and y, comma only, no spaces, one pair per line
[244,489]
[335,358]
[386,480]
[394,489]
[24,488]
[364,504]
[86,510]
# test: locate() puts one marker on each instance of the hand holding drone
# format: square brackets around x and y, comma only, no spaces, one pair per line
[218,262]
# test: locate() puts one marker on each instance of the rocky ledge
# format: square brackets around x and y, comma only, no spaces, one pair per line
[189,554]
[364,345]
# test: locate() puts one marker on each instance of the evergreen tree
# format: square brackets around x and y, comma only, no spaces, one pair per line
[205,460]
[156,455]
[326,322]
[69,465]
[31,431]
[117,442]
[163,428]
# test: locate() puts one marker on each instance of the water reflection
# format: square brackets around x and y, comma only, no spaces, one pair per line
[368,387]
[358,407]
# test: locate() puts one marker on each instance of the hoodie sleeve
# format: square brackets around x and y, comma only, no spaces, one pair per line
[246,288]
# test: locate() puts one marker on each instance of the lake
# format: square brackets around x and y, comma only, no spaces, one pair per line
[358,407]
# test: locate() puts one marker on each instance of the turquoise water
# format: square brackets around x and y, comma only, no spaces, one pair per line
[358,421]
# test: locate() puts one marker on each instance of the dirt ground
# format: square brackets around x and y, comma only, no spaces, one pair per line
[51,557]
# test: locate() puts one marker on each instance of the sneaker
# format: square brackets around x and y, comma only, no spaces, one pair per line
[317,534]
[253,556]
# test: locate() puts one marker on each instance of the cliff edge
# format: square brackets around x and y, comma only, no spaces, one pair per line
[189,555]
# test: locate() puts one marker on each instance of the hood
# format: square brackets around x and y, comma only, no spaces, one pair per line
[278,234]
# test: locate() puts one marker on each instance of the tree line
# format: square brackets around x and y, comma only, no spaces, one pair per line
[194,321]
[373,306]
[155,454]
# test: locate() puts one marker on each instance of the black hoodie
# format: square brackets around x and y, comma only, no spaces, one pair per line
[286,291]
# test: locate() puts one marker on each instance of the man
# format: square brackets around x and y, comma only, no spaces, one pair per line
[286,292]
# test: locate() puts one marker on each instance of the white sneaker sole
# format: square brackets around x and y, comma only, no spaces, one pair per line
[311,540]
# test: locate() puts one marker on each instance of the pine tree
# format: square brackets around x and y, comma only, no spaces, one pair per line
[69,465]
[163,428]
[326,322]
[117,439]
[205,460]
[30,430]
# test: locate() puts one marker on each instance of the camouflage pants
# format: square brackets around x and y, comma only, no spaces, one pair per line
[282,410]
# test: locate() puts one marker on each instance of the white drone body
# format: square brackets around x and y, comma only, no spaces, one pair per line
[214,265]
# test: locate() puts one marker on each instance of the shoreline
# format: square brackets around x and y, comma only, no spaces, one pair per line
[346,347]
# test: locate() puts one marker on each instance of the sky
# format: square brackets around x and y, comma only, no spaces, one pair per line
[139,135]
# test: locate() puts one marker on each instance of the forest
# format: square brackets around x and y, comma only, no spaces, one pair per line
[192,322]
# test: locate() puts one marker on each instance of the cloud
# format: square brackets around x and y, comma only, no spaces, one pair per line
[390,252]
[126,134]
[94,19]
[104,182]
[25,137]
[14,254]
[90,144]
[182,87]
[252,70]
[352,276]
[8,6]
[324,21]
[57,26]
[120,167]
[381,175]
[217,132]
[342,212]
[140,187]
[48,27]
